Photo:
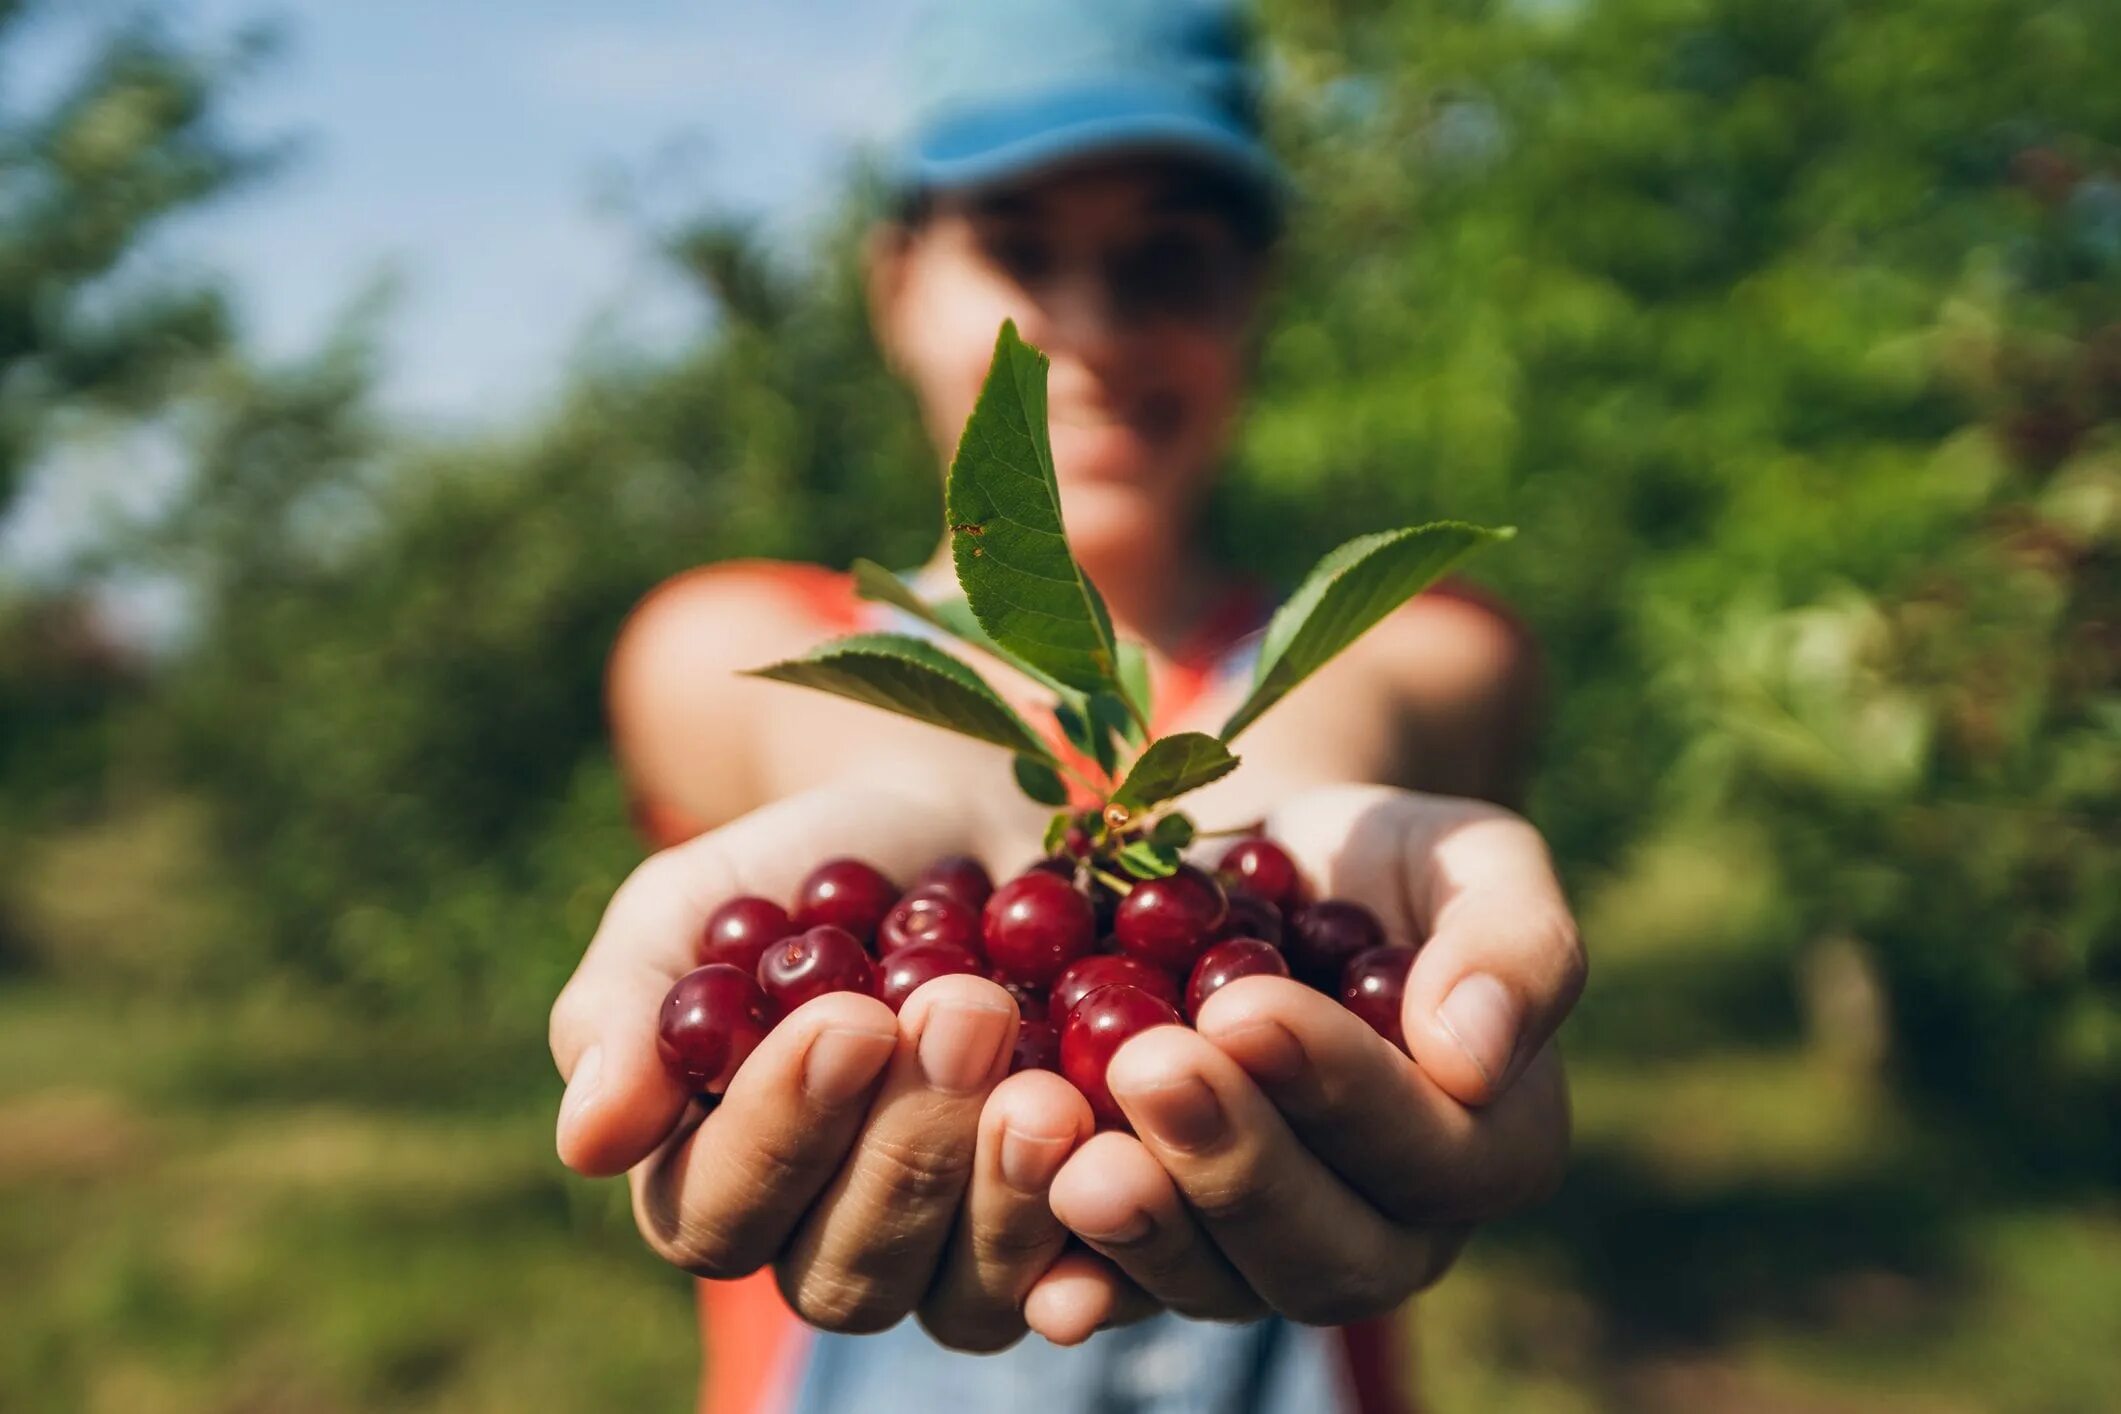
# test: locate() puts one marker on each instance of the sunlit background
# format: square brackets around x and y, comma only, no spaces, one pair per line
[360,364]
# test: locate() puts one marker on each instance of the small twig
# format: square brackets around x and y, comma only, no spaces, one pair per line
[1120,886]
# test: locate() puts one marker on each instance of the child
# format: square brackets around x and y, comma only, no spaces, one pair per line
[1092,171]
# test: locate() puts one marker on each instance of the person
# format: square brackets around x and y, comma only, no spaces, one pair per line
[1093,170]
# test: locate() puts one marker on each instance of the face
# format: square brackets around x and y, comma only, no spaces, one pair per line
[1136,285]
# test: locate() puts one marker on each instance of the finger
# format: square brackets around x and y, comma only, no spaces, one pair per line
[1500,962]
[619,1103]
[1115,1196]
[1006,1235]
[1302,1239]
[1503,963]
[869,1249]
[723,1199]
[1378,1120]
[1081,1294]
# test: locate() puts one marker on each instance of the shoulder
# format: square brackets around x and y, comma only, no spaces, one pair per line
[674,697]
[724,613]
[1465,680]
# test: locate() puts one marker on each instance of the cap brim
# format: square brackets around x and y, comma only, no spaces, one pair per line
[1006,142]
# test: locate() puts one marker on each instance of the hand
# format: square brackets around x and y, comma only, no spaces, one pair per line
[882,1165]
[1289,1158]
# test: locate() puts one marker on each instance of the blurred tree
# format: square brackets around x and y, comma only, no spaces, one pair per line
[130,139]
[1787,331]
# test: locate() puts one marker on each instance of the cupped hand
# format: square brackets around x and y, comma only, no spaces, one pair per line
[880,1164]
[1291,1160]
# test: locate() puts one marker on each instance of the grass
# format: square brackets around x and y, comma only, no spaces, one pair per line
[269,1206]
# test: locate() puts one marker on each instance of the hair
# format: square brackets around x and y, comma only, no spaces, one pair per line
[1252,211]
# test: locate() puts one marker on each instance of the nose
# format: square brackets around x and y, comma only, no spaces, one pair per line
[1080,317]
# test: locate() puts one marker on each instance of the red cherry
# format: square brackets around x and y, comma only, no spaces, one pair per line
[1037,1047]
[1165,922]
[1227,961]
[1264,869]
[1324,935]
[1052,864]
[1097,1027]
[962,877]
[845,893]
[712,1018]
[1087,974]
[741,929]
[1035,925]
[908,968]
[1374,987]
[1251,917]
[928,917]
[810,964]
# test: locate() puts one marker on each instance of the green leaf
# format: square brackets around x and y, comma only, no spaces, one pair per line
[1057,832]
[1146,859]
[1086,734]
[1172,766]
[1012,556]
[873,582]
[1040,781]
[952,615]
[1175,830]
[1344,597]
[1134,682]
[914,678]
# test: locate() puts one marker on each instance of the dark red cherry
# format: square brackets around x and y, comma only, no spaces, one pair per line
[1035,925]
[820,960]
[1374,986]
[962,877]
[1165,922]
[1052,864]
[1087,974]
[1037,1047]
[1227,961]
[1251,917]
[1096,1028]
[1263,869]
[1324,935]
[712,1018]
[928,917]
[845,893]
[741,929]
[908,968]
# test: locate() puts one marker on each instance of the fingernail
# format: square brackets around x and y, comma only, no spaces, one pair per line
[961,1046]
[1029,1161]
[842,1061]
[583,1083]
[1134,1229]
[1267,1050]
[1184,1114]
[1481,1016]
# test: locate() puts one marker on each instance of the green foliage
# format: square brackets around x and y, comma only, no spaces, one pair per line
[1006,539]
[913,678]
[1345,596]
[1172,766]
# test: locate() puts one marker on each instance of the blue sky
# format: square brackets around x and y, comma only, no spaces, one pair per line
[471,149]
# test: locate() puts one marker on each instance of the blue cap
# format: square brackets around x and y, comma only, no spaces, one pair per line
[1000,88]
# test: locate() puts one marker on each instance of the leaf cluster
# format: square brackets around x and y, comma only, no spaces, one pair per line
[1027,603]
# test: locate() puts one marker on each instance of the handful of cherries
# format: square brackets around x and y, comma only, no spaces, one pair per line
[1089,966]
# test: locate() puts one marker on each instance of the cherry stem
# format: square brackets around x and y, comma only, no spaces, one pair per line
[1227,832]
[1120,886]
